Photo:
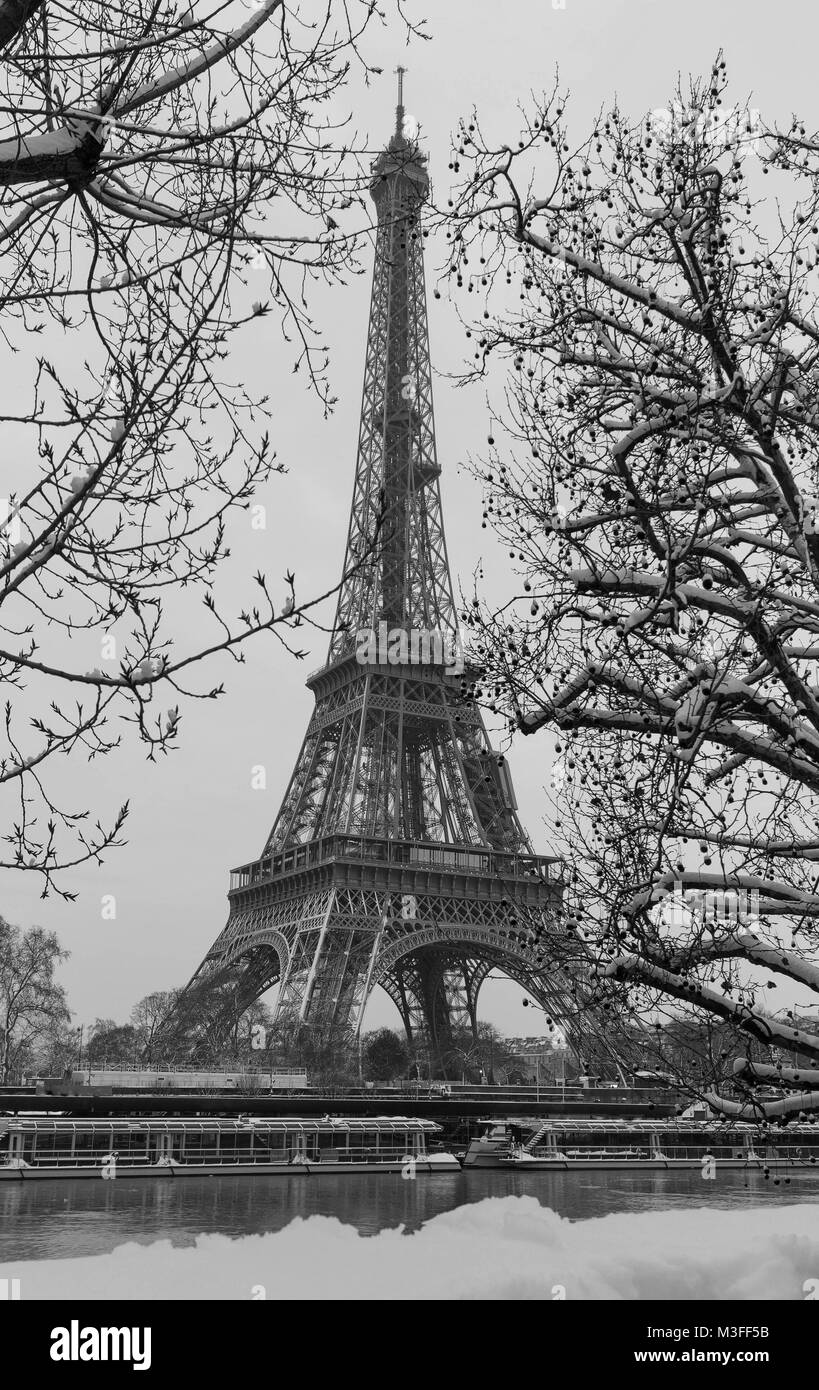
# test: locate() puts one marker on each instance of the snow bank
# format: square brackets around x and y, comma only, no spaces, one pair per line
[500,1248]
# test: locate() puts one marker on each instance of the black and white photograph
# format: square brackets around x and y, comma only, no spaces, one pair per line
[409,641]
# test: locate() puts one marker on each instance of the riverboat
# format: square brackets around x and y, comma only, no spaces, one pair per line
[42,1147]
[560,1145]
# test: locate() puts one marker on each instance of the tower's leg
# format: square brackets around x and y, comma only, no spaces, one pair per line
[463,981]
[438,1014]
[436,994]
[403,984]
[415,984]
[305,962]
[331,964]
[244,961]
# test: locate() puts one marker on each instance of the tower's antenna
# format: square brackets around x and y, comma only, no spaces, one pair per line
[399,110]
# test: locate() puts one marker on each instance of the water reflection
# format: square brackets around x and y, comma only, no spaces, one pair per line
[85,1217]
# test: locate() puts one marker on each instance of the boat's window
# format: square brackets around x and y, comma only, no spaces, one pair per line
[129,1147]
[64,1145]
[268,1148]
[234,1145]
[195,1143]
[101,1141]
[46,1144]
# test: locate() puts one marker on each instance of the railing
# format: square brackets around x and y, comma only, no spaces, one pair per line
[256,1153]
[121,1076]
[401,853]
[665,1151]
[236,1072]
[104,1075]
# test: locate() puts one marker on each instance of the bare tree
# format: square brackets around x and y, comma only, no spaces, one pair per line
[147,1016]
[31,1001]
[659,496]
[154,161]
[481,1055]
[52,1051]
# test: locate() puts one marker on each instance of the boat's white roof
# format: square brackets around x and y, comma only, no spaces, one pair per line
[260,1125]
[665,1126]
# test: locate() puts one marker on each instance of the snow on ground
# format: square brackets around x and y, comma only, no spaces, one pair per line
[500,1248]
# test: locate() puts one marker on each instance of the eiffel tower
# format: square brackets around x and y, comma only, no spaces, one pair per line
[397,858]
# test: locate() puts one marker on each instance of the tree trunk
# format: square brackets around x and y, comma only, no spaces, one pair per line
[5,1053]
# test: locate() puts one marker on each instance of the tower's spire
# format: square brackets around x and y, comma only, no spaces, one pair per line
[399,110]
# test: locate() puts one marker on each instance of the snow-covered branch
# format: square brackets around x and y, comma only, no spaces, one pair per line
[652,472]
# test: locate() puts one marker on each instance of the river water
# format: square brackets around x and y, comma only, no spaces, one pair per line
[54,1220]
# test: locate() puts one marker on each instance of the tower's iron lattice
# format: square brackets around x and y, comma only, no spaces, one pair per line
[397,857]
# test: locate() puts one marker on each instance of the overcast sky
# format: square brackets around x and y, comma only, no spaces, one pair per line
[195,815]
